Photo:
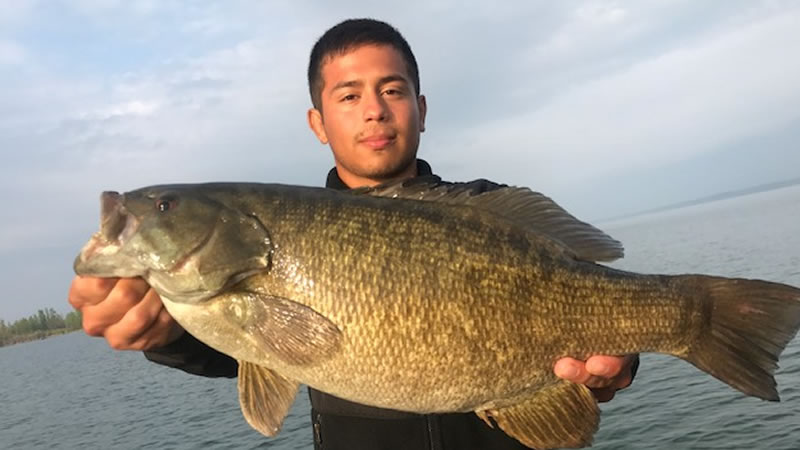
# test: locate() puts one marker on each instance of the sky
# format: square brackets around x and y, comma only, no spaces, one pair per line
[608,107]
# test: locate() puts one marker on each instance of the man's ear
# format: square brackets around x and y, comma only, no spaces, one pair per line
[316,125]
[422,105]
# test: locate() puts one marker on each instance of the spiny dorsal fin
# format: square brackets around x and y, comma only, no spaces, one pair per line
[265,397]
[521,205]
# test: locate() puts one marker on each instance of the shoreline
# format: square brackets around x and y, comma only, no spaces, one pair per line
[35,336]
[707,199]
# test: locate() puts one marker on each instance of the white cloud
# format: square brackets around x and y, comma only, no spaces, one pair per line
[16,12]
[206,117]
[687,101]
[518,91]
[11,53]
[604,13]
[95,8]
[128,108]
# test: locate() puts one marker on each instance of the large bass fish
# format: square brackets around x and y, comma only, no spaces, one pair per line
[425,297]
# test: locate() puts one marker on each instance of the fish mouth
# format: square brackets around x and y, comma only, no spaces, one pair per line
[117,225]
[112,216]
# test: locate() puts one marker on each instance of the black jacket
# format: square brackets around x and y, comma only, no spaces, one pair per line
[342,425]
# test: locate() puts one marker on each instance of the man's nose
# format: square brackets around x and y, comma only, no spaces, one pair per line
[375,108]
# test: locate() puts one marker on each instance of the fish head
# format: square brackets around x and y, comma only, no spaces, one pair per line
[188,245]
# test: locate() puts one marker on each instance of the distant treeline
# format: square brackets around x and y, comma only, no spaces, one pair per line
[46,322]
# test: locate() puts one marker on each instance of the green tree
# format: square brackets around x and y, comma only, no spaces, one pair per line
[22,326]
[4,333]
[73,320]
[54,321]
[37,326]
[40,322]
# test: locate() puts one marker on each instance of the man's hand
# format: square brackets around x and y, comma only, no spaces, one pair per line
[604,375]
[126,311]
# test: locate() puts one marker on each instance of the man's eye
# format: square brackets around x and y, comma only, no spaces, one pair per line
[349,97]
[393,92]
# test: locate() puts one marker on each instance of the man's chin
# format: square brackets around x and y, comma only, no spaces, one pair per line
[392,170]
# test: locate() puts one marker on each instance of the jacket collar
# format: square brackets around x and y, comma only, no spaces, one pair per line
[334,182]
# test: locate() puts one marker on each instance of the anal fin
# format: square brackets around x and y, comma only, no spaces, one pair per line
[562,415]
[265,397]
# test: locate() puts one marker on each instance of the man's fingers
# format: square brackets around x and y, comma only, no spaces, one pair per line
[615,368]
[164,330]
[604,375]
[146,326]
[136,322]
[572,370]
[127,312]
[174,330]
[124,296]
[86,291]
[598,372]
[606,366]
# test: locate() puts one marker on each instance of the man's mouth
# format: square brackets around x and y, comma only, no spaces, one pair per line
[377,141]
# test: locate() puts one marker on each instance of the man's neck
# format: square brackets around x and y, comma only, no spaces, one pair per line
[336,181]
[354,181]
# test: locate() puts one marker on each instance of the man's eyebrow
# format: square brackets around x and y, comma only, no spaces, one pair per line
[358,83]
[391,79]
[347,84]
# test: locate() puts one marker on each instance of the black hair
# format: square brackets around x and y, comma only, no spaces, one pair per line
[349,35]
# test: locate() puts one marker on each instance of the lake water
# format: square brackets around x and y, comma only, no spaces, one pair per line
[72,391]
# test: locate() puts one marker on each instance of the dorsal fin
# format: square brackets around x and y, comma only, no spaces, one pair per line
[521,205]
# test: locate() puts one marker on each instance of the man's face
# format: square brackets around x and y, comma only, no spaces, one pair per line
[371,115]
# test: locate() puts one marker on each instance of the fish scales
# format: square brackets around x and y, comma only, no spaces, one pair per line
[520,302]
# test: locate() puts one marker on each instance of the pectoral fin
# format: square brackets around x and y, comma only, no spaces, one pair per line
[562,415]
[292,332]
[265,397]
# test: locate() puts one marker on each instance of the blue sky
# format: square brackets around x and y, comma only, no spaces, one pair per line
[609,107]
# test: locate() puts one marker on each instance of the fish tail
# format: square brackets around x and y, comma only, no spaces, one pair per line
[748,323]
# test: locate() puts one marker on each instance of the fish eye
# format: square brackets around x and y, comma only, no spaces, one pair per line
[164,204]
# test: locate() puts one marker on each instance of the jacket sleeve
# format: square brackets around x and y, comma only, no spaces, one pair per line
[635,367]
[192,356]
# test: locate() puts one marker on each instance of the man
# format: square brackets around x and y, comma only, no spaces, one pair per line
[364,86]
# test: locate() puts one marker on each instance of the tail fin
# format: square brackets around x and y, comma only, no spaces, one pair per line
[751,322]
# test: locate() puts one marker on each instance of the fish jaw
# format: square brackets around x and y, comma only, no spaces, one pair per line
[100,256]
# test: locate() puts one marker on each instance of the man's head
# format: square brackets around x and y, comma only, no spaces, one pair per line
[348,36]
[364,85]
